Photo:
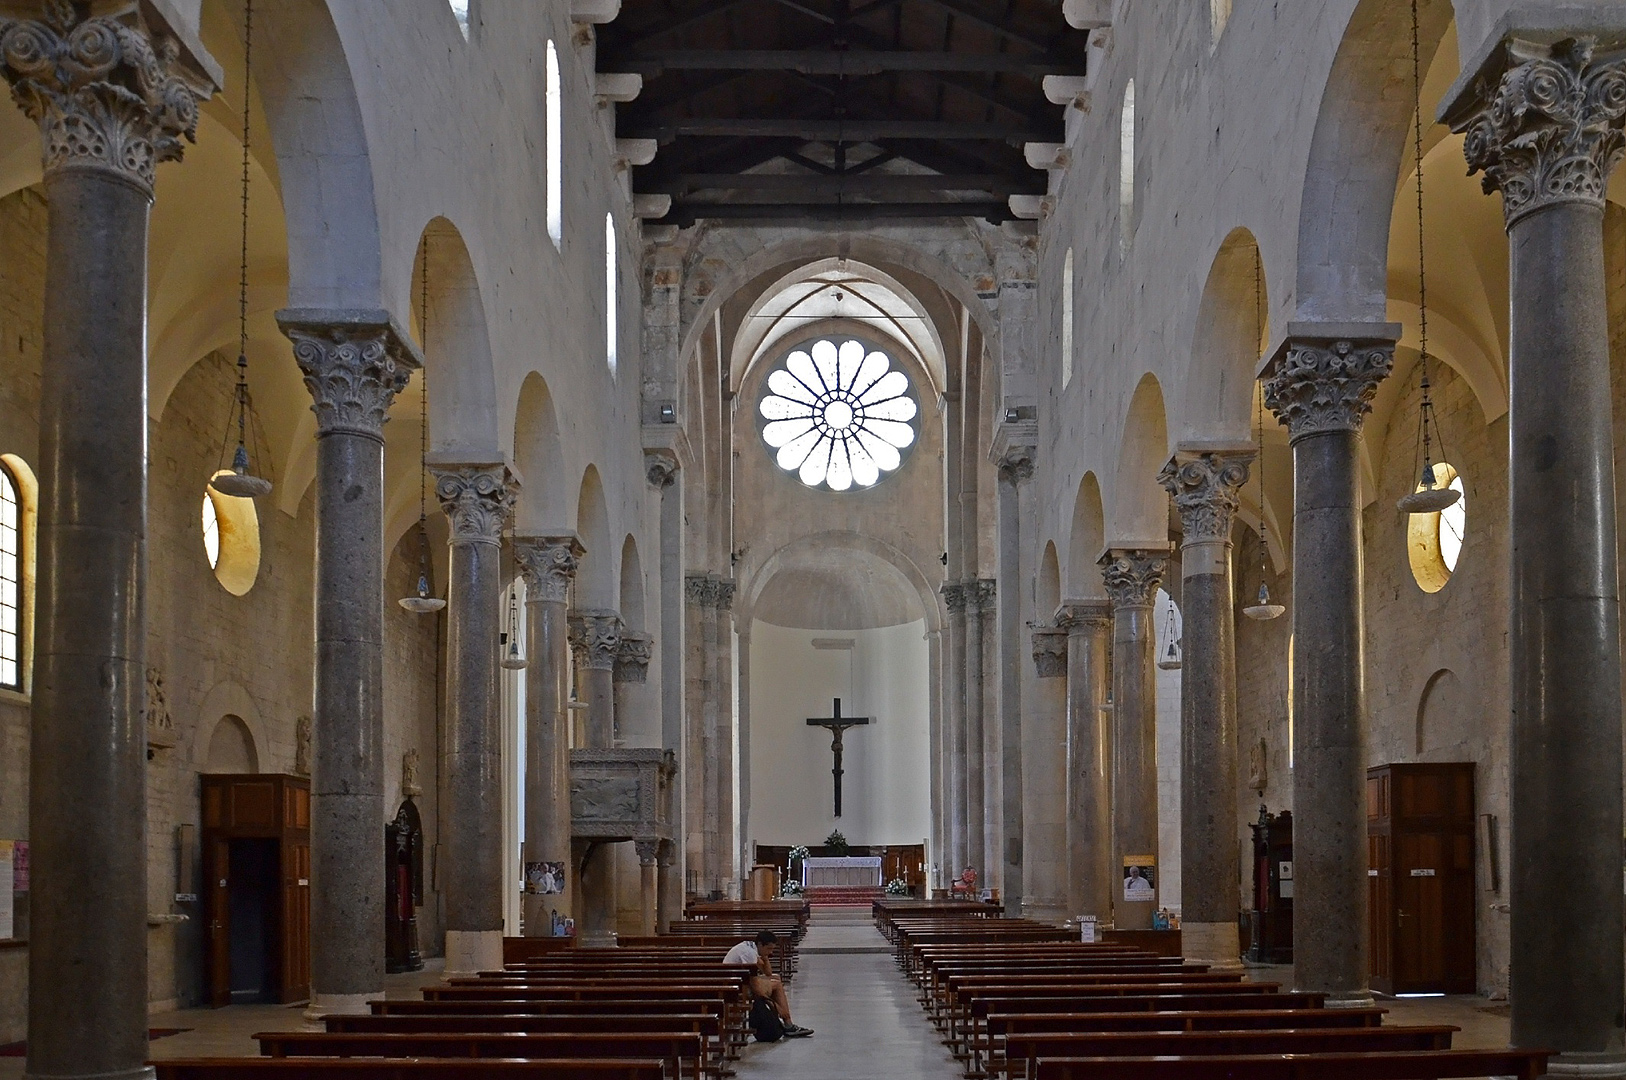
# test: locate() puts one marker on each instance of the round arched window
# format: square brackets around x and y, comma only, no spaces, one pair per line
[231,540]
[1434,540]
[838,415]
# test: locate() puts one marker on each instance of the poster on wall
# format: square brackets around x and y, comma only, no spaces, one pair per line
[1140,879]
[544,878]
[8,909]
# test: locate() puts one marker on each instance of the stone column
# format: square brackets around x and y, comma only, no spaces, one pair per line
[661,468]
[1544,125]
[111,100]
[648,885]
[701,789]
[596,636]
[976,781]
[1320,384]
[548,564]
[1204,482]
[1044,743]
[1132,576]
[1091,881]
[1015,467]
[720,661]
[742,767]
[632,655]
[668,884]
[954,785]
[354,364]
[478,500]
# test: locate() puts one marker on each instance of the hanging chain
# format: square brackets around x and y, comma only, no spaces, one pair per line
[242,265]
[423,383]
[1258,336]
[1426,408]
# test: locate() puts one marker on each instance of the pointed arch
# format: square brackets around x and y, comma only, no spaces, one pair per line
[1085,542]
[1140,508]
[632,585]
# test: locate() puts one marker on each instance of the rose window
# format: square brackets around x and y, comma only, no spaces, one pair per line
[838,416]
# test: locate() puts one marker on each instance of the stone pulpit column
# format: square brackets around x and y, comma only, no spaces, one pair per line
[1044,743]
[661,469]
[954,737]
[1320,384]
[1543,124]
[1015,469]
[548,564]
[354,363]
[648,884]
[632,655]
[478,500]
[1091,881]
[1203,482]
[596,637]
[1132,576]
[112,99]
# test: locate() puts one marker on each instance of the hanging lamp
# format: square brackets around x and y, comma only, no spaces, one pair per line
[1261,610]
[1431,496]
[1168,656]
[238,481]
[513,657]
[421,602]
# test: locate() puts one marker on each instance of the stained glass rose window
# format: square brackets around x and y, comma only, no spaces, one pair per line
[838,416]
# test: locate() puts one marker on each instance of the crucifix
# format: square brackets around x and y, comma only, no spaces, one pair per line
[837,724]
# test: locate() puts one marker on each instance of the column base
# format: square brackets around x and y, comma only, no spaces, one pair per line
[1214,944]
[325,1005]
[604,939]
[1045,909]
[469,952]
[144,1072]
[1350,999]
[1597,1065]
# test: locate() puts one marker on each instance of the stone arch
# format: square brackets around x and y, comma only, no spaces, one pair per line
[231,747]
[539,454]
[457,354]
[1441,696]
[1047,593]
[758,579]
[1230,335]
[1354,162]
[595,578]
[1085,542]
[1140,508]
[632,585]
[227,699]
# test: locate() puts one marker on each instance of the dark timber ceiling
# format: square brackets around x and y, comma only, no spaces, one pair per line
[856,110]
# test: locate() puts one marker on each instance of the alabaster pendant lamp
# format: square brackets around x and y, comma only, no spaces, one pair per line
[239,481]
[421,602]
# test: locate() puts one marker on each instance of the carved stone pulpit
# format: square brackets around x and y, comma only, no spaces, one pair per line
[621,794]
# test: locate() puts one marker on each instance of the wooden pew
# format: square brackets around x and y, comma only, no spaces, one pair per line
[1401,1065]
[681,1053]
[264,1068]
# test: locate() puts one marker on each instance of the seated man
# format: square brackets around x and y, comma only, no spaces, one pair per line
[764,983]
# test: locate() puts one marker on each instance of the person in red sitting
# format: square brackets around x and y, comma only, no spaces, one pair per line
[764,983]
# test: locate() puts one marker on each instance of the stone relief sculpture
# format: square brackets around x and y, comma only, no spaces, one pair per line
[409,773]
[160,725]
[302,746]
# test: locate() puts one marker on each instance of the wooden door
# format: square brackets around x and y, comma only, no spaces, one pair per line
[1419,948]
[217,905]
[296,921]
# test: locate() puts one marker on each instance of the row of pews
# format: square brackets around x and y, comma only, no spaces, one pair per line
[654,1008]
[1020,1000]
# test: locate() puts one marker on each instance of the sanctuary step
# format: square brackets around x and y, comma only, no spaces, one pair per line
[842,895]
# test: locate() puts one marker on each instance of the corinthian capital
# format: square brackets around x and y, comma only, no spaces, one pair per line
[954,597]
[1204,487]
[1016,463]
[1132,575]
[548,563]
[632,658]
[660,467]
[1320,382]
[979,595]
[1084,616]
[478,500]
[1050,652]
[596,637]
[109,94]
[354,363]
[1548,129]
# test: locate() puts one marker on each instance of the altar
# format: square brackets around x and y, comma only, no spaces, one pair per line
[850,870]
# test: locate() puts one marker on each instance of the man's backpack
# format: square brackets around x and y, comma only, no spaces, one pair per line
[765,1022]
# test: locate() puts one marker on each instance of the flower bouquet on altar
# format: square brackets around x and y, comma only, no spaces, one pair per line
[837,844]
[897,887]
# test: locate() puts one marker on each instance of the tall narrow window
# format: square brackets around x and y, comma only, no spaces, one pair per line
[1067,319]
[1126,169]
[11,582]
[556,153]
[1219,11]
[612,299]
[460,12]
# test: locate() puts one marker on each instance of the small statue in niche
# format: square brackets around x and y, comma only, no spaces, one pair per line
[160,725]
[409,773]
[302,746]
[1258,769]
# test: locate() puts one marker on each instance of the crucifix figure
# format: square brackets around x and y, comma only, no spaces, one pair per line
[837,724]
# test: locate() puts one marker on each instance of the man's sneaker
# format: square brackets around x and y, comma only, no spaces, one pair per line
[794,1032]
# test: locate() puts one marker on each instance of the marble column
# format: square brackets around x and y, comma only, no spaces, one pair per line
[1015,468]
[661,469]
[112,99]
[354,363]
[1091,881]
[1044,744]
[955,732]
[720,657]
[1543,124]
[595,636]
[1203,483]
[742,766]
[632,655]
[700,792]
[648,884]
[668,884]
[1132,576]
[478,499]
[976,780]
[548,565]
[1320,384]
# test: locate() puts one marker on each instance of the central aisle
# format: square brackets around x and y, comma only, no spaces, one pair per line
[863,1010]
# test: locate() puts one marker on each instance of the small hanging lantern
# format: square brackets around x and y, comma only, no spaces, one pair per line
[1431,496]
[238,481]
[1261,610]
[422,603]
[1168,657]
[513,657]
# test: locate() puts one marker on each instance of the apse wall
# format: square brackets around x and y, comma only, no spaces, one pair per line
[886,786]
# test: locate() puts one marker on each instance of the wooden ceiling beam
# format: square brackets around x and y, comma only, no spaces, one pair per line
[851,63]
[813,187]
[684,214]
[847,131]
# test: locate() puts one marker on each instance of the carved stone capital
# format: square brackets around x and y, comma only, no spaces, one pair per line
[632,658]
[108,93]
[548,564]
[354,363]
[954,597]
[1204,487]
[1316,385]
[1132,575]
[979,595]
[1085,616]
[660,467]
[1549,130]
[648,851]
[726,589]
[596,637]
[1016,463]
[1050,652]
[477,499]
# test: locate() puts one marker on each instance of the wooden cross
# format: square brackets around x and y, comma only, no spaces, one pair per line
[837,724]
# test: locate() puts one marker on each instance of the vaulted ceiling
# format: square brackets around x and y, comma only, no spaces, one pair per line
[852,110]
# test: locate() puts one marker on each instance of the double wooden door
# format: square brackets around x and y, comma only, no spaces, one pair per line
[257,860]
